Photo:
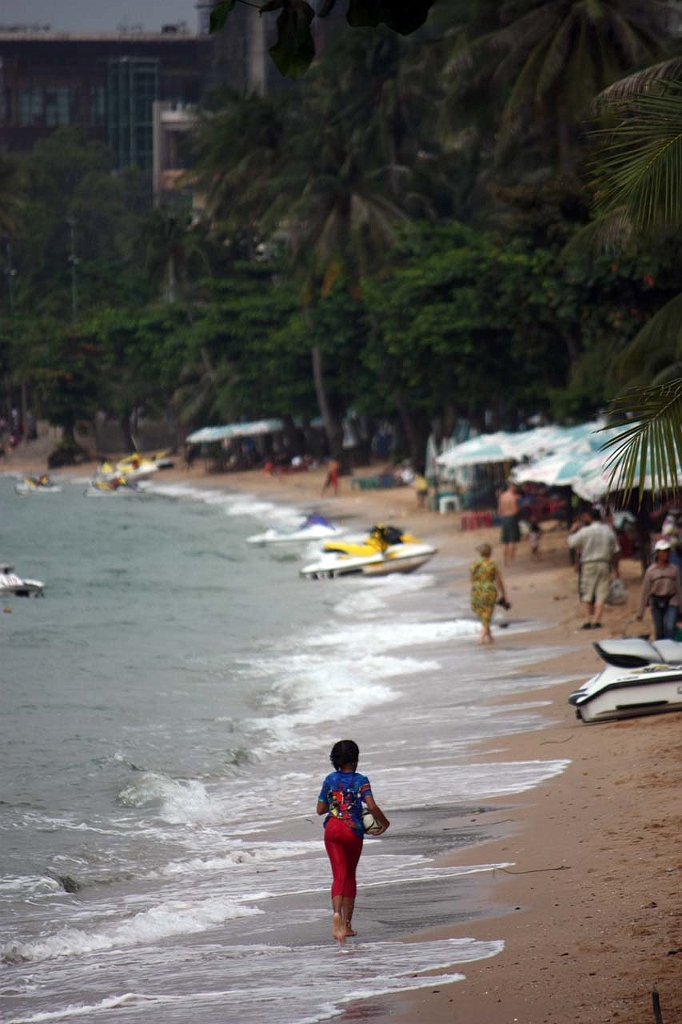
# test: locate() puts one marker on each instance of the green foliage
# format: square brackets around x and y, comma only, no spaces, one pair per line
[549,59]
[66,368]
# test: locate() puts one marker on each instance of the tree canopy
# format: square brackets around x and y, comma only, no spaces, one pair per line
[385,241]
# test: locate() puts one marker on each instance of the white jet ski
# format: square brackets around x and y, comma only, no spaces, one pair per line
[640,678]
[313,527]
[386,550]
[10,583]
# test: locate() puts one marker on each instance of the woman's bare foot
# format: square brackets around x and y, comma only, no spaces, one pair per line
[350,931]
[338,929]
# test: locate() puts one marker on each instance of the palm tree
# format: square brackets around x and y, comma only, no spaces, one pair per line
[241,153]
[639,178]
[338,230]
[552,59]
[171,247]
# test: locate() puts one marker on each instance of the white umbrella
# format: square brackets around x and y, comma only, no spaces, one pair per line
[505,446]
[559,470]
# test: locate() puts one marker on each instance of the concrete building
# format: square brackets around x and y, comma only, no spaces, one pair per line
[136,91]
[105,84]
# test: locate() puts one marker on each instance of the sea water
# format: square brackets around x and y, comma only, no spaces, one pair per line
[167,714]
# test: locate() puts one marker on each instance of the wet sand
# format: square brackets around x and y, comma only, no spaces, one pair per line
[590,911]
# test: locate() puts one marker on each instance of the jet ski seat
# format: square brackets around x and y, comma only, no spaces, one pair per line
[633,652]
[670,651]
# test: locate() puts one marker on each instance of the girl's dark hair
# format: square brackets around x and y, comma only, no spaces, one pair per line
[344,752]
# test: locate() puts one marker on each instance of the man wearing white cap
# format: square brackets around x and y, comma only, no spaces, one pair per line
[661,591]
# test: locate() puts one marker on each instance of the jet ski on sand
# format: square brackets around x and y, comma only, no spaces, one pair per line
[640,678]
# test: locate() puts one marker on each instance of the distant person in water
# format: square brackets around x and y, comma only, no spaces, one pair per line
[343,793]
[508,511]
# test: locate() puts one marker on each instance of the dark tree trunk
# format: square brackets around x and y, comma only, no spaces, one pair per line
[124,424]
[332,417]
[417,428]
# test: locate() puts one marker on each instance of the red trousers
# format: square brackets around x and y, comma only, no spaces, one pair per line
[343,849]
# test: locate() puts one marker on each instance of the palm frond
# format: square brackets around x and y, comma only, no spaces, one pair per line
[639,165]
[637,83]
[648,452]
[557,54]
[522,99]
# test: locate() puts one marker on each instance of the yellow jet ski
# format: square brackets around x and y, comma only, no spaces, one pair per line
[385,550]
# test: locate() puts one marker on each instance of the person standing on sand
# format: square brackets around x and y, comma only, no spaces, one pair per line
[508,511]
[421,488]
[598,546]
[487,587]
[661,590]
[341,798]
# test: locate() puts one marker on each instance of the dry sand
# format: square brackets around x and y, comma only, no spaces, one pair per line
[590,911]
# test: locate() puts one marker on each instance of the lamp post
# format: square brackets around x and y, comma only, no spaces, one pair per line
[74,261]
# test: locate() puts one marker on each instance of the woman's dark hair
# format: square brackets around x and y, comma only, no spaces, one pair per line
[344,752]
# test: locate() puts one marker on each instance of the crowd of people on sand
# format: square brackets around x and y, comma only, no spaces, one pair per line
[595,546]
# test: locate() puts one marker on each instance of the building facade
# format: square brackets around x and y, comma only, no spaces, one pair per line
[107,85]
[104,85]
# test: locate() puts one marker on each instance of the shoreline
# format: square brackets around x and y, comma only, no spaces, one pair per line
[589,912]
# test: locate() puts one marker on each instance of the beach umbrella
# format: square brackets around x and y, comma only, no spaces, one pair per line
[594,482]
[506,446]
[477,450]
[558,470]
[254,428]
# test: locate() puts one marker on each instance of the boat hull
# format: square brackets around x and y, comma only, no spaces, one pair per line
[613,694]
[15,585]
[407,563]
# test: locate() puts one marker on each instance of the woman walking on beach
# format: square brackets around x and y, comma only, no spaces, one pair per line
[487,587]
[343,793]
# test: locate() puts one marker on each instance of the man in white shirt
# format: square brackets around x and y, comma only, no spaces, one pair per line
[597,543]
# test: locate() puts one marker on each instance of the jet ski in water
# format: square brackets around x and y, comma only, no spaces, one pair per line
[116,485]
[313,527]
[640,678]
[10,583]
[36,485]
[386,550]
[134,467]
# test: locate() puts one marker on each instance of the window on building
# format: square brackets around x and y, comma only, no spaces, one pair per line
[31,108]
[98,104]
[58,103]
